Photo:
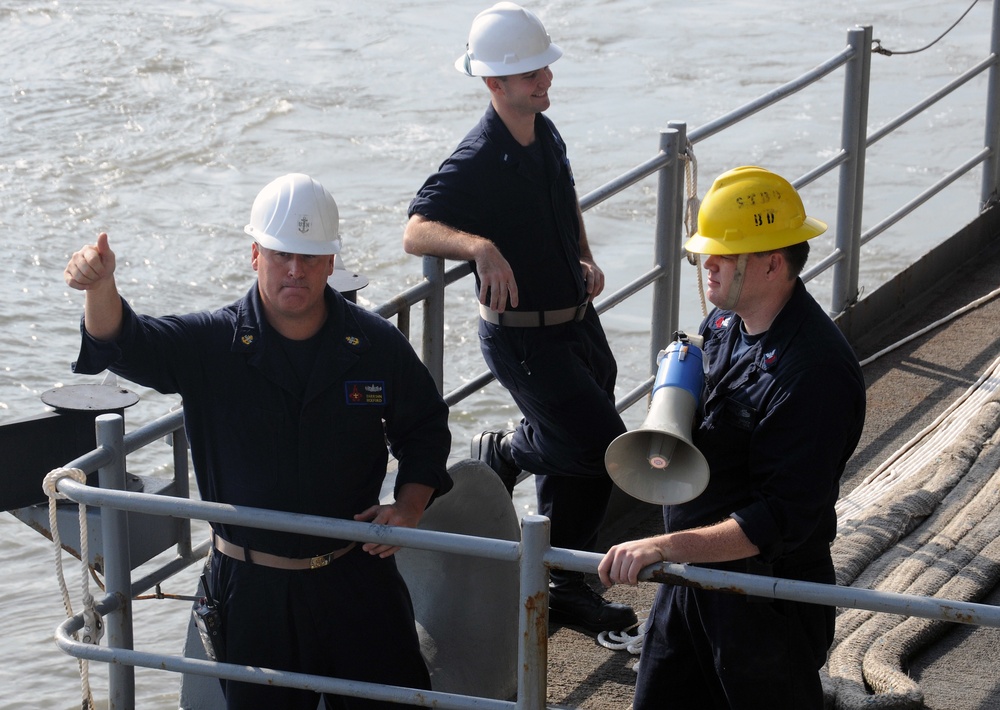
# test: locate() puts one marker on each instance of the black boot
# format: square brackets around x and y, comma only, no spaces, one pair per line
[493,449]
[574,603]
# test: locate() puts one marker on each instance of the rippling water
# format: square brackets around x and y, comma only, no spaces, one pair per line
[158,122]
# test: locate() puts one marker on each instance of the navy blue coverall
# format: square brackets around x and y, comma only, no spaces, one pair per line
[561,377]
[265,433]
[777,424]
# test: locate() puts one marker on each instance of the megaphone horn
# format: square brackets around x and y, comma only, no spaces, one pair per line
[658,462]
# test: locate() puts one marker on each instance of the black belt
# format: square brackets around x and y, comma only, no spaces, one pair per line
[533,319]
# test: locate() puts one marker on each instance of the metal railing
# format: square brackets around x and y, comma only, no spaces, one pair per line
[533,554]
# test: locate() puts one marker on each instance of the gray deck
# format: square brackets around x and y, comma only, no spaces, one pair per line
[907,389]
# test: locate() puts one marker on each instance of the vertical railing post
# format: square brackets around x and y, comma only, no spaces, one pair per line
[433,335]
[991,167]
[667,249]
[853,142]
[117,562]
[533,618]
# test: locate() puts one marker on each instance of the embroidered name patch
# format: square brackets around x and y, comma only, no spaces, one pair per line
[370,392]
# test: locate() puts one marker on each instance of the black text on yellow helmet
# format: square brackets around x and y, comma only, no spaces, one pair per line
[750,209]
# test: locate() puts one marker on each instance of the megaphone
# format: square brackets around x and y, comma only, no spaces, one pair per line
[657,462]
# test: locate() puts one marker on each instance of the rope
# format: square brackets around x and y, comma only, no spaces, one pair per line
[933,531]
[624,641]
[93,627]
[926,329]
[932,439]
[691,207]
[877,43]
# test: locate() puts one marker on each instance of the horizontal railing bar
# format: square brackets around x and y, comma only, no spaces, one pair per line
[169,569]
[929,101]
[925,196]
[410,297]
[636,394]
[772,97]
[625,180]
[256,674]
[822,265]
[288,522]
[956,611]
[820,170]
[156,429]
[771,587]
[630,289]
[469,388]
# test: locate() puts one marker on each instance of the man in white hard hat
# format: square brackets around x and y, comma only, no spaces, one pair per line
[289,396]
[781,413]
[505,200]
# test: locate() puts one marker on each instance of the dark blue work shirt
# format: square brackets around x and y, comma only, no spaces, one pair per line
[494,187]
[777,428]
[261,436]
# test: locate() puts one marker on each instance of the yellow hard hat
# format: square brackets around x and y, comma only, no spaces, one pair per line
[750,209]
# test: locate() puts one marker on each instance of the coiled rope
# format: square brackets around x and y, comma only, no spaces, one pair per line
[927,522]
[93,627]
[625,641]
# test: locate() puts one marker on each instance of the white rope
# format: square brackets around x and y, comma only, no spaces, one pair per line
[93,628]
[625,641]
[923,447]
[926,329]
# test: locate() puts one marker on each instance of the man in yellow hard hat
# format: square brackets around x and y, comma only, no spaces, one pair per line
[781,412]
[505,201]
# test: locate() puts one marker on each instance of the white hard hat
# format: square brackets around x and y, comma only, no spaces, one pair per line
[504,40]
[295,214]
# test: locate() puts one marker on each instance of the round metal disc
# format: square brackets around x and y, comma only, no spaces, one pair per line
[90,397]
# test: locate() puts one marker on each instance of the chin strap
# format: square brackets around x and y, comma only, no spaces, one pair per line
[736,287]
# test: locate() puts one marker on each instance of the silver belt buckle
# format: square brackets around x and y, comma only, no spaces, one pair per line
[581,311]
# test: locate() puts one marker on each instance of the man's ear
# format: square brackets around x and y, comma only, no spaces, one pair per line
[776,263]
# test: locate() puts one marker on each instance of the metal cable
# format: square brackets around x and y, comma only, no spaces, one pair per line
[879,49]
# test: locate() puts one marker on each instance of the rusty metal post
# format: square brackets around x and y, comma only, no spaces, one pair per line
[533,619]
